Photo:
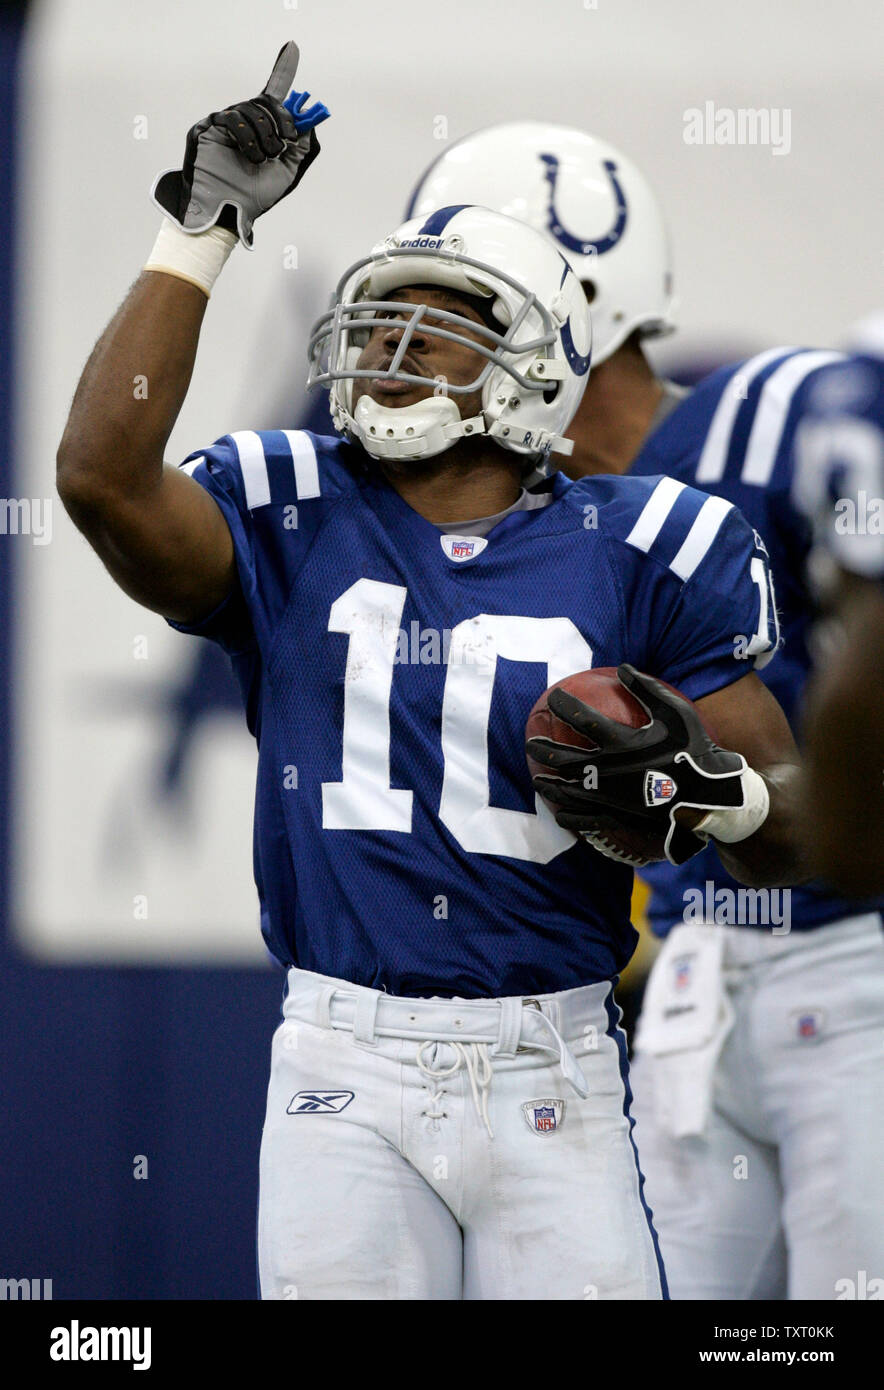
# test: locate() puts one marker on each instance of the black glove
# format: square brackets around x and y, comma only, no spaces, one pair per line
[641,776]
[241,161]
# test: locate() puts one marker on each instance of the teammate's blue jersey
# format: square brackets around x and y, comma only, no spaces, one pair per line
[839,463]
[733,437]
[388,674]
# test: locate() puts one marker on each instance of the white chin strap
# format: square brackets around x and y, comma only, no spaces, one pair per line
[412,431]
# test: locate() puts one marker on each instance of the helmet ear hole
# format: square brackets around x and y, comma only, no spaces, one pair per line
[588,290]
[551,392]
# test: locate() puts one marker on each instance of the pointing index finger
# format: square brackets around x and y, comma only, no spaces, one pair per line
[283,75]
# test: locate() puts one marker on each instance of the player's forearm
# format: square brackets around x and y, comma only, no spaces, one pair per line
[843,800]
[774,856]
[130,393]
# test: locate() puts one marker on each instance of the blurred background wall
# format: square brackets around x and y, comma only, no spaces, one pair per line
[137,1001]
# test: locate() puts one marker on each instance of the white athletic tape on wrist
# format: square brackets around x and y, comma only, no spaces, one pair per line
[737,823]
[198,257]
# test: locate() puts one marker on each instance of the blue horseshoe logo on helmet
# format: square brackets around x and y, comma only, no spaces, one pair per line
[561,234]
[578,363]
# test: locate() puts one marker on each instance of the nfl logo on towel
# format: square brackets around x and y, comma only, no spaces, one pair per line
[543,1116]
[682,971]
[658,789]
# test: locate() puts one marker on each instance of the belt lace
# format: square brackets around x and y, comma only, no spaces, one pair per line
[474,1058]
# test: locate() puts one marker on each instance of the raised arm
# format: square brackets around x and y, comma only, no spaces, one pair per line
[161,536]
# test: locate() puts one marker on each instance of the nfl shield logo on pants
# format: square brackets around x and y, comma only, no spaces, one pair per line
[543,1116]
[809,1022]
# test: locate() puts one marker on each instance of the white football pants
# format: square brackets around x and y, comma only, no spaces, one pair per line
[762,1143]
[380,1178]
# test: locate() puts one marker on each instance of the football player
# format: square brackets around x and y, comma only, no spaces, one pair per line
[839,484]
[448,1109]
[759,1097]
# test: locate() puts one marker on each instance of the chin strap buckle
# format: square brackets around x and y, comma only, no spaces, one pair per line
[475,425]
[547,369]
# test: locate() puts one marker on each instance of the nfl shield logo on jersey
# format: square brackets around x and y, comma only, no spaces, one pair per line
[462,548]
[543,1116]
[658,788]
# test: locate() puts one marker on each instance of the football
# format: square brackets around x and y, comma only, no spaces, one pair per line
[601,689]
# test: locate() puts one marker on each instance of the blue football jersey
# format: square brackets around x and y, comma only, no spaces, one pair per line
[388,673]
[839,464]
[733,437]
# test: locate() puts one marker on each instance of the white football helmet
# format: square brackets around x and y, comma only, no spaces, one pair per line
[535,365]
[586,195]
[867,336]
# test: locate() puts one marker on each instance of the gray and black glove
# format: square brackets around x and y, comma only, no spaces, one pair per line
[642,775]
[241,161]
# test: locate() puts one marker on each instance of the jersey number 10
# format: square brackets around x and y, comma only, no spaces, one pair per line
[370,612]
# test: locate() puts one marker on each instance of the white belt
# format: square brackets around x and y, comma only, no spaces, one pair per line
[512,1025]
[469,1026]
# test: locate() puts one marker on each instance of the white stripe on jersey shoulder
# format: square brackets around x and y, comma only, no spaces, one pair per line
[713,459]
[773,408]
[306,466]
[190,468]
[253,467]
[702,533]
[653,514]
[698,540]
[255,474]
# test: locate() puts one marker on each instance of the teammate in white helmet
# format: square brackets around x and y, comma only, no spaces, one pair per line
[607,223]
[759,1037]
